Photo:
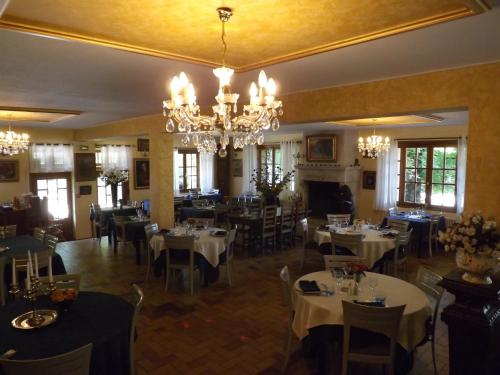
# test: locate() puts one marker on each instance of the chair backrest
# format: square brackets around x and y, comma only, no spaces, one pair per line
[269,218]
[51,242]
[341,261]
[43,261]
[8,231]
[342,219]
[392,211]
[120,226]
[179,243]
[76,362]
[137,301]
[433,226]
[63,281]
[427,281]
[349,241]
[209,221]
[287,288]
[150,230]
[286,218]
[39,234]
[304,227]
[231,236]
[399,225]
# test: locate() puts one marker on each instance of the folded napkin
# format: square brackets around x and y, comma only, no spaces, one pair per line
[218,233]
[4,248]
[377,303]
[309,286]
[324,227]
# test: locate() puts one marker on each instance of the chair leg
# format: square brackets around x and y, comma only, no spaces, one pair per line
[167,276]
[434,355]
[229,271]
[148,260]
[288,348]
[191,281]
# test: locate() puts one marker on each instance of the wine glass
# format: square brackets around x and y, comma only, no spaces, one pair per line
[372,284]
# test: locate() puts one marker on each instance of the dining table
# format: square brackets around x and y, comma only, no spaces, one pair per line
[133,231]
[98,318]
[315,313]
[374,245]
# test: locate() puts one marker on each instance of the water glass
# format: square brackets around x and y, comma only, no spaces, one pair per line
[372,283]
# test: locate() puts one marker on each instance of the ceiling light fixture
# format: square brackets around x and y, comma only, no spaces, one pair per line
[373,145]
[12,143]
[204,131]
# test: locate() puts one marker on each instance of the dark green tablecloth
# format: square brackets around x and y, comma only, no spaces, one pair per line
[97,318]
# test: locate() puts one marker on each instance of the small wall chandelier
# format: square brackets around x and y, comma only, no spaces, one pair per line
[373,145]
[204,131]
[12,143]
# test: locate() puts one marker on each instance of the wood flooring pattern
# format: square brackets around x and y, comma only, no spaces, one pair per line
[221,329]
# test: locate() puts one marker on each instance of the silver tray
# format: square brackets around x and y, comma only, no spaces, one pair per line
[23,321]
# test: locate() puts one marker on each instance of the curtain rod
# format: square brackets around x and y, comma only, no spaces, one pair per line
[52,144]
[100,145]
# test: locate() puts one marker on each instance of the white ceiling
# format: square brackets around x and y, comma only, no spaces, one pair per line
[108,84]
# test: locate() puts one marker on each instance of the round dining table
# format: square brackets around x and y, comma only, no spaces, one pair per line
[98,318]
[373,246]
[313,311]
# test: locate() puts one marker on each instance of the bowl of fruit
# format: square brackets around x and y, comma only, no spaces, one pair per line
[64,298]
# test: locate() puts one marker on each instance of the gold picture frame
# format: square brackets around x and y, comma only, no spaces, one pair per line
[322,148]
[141,173]
[9,170]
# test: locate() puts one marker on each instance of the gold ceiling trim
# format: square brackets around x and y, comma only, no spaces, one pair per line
[45,114]
[62,34]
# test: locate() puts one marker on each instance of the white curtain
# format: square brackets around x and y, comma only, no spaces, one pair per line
[386,190]
[461,170]
[206,172]
[177,164]
[289,150]
[51,158]
[115,157]
[249,165]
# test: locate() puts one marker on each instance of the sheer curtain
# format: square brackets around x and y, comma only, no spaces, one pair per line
[461,171]
[249,164]
[115,157]
[51,158]
[206,172]
[177,164]
[386,190]
[288,151]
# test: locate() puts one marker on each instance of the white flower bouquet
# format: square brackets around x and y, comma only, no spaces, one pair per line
[114,176]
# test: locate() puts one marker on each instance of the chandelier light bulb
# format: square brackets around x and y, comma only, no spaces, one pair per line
[174,86]
[253,90]
[183,80]
[271,87]
[262,79]
[224,74]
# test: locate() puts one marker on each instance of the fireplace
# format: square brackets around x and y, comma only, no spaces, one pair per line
[323,197]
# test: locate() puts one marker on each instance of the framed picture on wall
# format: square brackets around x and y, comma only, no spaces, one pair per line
[237,167]
[141,173]
[142,145]
[85,189]
[85,167]
[322,148]
[9,170]
[369,180]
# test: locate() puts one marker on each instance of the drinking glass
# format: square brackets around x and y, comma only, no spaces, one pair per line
[372,283]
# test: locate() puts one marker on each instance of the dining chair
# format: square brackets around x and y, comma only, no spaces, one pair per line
[8,231]
[286,226]
[76,362]
[2,282]
[378,324]
[269,221]
[51,242]
[150,230]
[136,299]
[399,225]
[100,222]
[343,241]
[428,281]
[63,281]
[342,219]
[39,234]
[433,233]
[400,256]
[287,288]
[341,261]
[228,263]
[180,243]
[121,235]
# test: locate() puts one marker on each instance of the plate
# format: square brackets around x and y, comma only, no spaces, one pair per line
[23,321]
[4,248]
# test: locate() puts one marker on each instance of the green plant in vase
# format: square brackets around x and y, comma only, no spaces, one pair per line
[113,177]
[270,184]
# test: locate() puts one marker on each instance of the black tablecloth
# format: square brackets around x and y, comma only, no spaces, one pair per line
[101,319]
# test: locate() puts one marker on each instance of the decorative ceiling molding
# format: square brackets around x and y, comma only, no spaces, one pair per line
[35,114]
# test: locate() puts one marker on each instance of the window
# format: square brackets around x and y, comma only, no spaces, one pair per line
[56,188]
[270,157]
[428,174]
[104,193]
[188,169]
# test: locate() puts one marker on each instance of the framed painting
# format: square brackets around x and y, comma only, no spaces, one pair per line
[141,173]
[142,145]
[237,167]
[85,189]
[9,170]
[322,148]
[85,167]
[369,180]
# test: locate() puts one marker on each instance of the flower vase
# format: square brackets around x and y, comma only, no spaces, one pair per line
[114,194]
[478,267]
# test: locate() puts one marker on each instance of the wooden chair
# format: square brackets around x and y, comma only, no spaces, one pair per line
[100,223]
[63,281]
[306,244]
[76,362]
[121,235]
[433,233]
[136,299]
[286,226]
[351,242]
[399,225]
[202,220]
[3,288]
[22,262]
[341,219]
[8,231]
[287,288]
[51,242]
[268,234]
[400,252]
[230,255]
[180,243]
[377,320]
[39,234]
[427,281]
[341,261]
[150,230]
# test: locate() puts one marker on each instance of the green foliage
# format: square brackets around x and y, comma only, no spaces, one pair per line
[268,183]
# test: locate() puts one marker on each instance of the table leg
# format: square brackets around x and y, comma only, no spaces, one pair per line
[137,245]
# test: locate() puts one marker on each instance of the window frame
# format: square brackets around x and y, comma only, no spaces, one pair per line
[274,147]
[184,152]
[34,177]
[108,203]
[429,145]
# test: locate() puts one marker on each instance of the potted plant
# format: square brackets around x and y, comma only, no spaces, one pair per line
[113,177]
[476,242]
[269,184]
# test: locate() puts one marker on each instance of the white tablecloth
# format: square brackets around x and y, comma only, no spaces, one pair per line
[314,311]
[373,248]
[208,246]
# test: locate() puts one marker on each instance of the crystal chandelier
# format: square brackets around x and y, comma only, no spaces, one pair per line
[12,143]
[373,145]
[205,131]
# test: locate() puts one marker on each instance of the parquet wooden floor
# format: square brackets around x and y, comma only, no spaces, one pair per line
[221,329]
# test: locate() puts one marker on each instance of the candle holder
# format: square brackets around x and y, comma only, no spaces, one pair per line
[34,318]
